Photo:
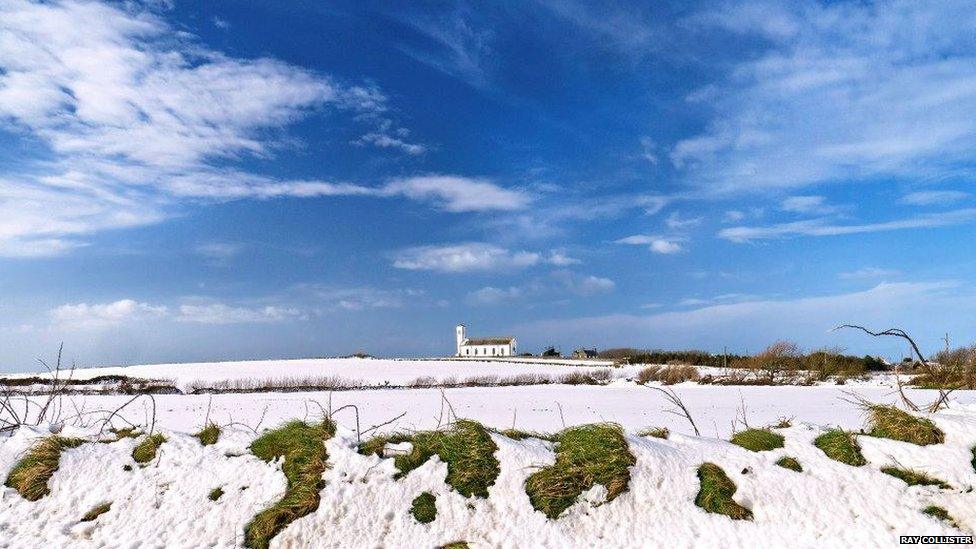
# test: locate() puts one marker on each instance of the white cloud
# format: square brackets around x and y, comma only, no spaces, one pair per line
[590,284]
[733,216]
[137,117]
[560,259]
[842,92]
[459,194]
[655,244]
[102,315]
[648,150]
[387,141]
[457,258]
[221,313]
[822,227]
[869,272]
[675,221]
[807,205]
[929,198]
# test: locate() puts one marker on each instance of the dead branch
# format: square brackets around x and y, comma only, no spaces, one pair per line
[680,408]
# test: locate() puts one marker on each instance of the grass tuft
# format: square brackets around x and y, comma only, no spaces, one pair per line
[30,475]
[941,514]
[791,463]
[467,449]
[656,432]
[585,456]
[973,462]
[424,508]
[209,434]
[215,494]
[145,451]
[758,440]
[303,449]
[455,545]
[840,445]
[518,434]
[716,491]
[895,424]
[915,478]
[125,432]
[96,511]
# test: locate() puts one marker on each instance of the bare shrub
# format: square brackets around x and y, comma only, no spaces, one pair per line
[668,375]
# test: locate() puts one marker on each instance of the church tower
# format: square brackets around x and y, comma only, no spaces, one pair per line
[460,333]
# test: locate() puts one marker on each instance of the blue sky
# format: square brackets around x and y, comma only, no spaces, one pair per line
[209,180]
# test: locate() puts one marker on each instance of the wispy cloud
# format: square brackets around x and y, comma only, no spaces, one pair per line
[465,257]
[823,227]
[930,198]
[656,244]
[138,117]
[869,272]
[455,43]
[828,100]
[221,313]
[459,194]
[808,204]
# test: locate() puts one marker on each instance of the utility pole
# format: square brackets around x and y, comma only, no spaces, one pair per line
[946,339]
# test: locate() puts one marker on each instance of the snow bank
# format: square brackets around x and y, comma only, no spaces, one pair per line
[165,504]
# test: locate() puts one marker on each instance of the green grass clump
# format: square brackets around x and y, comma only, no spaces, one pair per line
[656,432]
[518,434]
[788,462]
[715,493]
[758,440]
[30,475]
[585,456]
[940,513]
[145,451]
[839,445]
[424,508]
[467,449]
[915,478]
[215,494]
[209,434]
[896,424]
[97,510]
[303,449]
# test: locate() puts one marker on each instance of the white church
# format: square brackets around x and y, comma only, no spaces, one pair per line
[484,346]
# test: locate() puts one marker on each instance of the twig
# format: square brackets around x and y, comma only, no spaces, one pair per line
[682,410]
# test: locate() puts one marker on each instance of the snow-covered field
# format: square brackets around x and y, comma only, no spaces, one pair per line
[345,372]
[165,504]
[533,407]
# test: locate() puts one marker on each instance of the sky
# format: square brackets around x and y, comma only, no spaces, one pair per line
[184,181]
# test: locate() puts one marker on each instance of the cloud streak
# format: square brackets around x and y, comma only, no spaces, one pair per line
[823,226]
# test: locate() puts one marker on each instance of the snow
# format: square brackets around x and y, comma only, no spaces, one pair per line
[165,504]
[531,407]
[350,372]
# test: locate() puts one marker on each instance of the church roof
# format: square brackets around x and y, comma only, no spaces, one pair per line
[488,341]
